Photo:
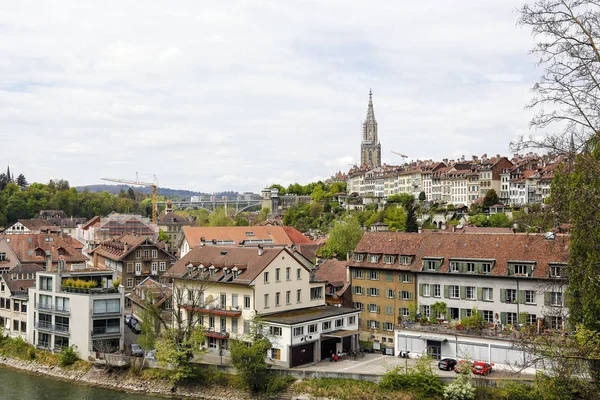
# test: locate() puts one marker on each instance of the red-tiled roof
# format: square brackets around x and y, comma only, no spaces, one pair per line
[332,271]
[281,235]
[25,247]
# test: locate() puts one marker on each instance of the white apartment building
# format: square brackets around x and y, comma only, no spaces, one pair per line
[227,287]
[63,313]
[14,299]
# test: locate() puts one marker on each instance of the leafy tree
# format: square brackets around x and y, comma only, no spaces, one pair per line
[131,193]
[21,181]
[479,220]
[176,349]
[277,186]
[491,198]
[263,214]
[422,196]
[499,221]
[344,237]
[250,362]
[241,221]
[219,218]
[163,236]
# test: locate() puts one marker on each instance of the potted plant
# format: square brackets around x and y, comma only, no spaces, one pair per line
[116,284]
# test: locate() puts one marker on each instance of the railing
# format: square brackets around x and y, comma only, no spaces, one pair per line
[89,290]
[62,310]
[43,307]
[46,326]
[106,331]
[107,312]
[62,328]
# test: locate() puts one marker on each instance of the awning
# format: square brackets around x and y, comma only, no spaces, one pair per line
[339,334]
[434,338]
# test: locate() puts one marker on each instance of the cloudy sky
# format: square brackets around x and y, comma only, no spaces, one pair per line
[234,95]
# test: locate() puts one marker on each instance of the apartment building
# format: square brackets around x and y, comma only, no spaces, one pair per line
[172,223]
[76,307]
[133,258]
[227,287]
[14,299]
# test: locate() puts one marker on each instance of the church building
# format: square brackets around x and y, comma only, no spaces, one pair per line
[370,148]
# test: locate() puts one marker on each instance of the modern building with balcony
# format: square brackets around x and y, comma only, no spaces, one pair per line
[78,308]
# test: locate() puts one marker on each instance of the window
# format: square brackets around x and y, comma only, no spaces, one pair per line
[372,324]
[453,266]
[388,326]
[16,325]
[520,270]
[486,268]
[276,354]
[45,283]
[299,296]
[426,310]
[16,306]
[246,326]
[529,297]
[373,292]
[146,253]
[162,266]
[488,315]
[358,257]
[316,293]
[138,268]
[2,256]
[234,325]
[406,295]
[288,295]
[107,306]
[154,268]
[24,327]
[339,322]
[358,305]
[373,308]
[556,299]
[374,275]
[454,292]
[470,292]
[389,293]
[129,282]
[430,265]
[104,326]
[298,331]
[405,278]
[437,291]
[388,259]
[138,254]
[24,308]
[287,273]
[470,267]
[277,273]
[511,318]
[211,322]
[487,294]
[266,277]
[405,260]
[403,311]
[275,331]
[373,258]
[62,304]
[389,277]
[357,274]
[130,267]
[532,319]
[277,299]
[358,290]
[234,301]
[312,328]
[154,253]
[511,296]
[425,290]
[351,320]
[266,300]
[247,302]
[389,310]
[326,326]
[556,271]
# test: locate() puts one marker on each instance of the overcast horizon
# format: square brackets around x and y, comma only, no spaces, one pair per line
[244,94]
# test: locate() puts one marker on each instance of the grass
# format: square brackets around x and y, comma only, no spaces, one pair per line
[347,389]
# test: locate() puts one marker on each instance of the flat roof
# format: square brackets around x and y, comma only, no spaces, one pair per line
[301,315]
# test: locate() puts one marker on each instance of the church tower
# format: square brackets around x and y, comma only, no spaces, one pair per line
[370,148]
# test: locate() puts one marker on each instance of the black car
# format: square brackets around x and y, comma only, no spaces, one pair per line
[447,364]
[136,328]
[131,322]
[136,350]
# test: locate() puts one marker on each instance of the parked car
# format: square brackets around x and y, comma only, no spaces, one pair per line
[151,354]
[136,328]
[132,321]
[136,350]
[481,368]
[127,318]
[447,364]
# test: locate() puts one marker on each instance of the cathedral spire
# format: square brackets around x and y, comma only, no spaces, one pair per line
[370,147]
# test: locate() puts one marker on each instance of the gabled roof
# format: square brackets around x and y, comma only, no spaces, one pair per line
[36,225]
[502,248]
[25,245]
[279,235]
[245,259]
[91,222]
[118,248]
[332,271]
[171,218]
[21,285]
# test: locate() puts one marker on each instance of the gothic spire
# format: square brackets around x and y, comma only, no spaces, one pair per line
[8,177]
[370,124]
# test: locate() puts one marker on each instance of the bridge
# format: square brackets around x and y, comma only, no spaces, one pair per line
[211,206]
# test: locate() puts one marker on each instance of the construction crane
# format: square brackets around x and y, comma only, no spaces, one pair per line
[401,155]
[137,182]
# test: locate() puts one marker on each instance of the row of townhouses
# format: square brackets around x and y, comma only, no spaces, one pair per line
[522,180]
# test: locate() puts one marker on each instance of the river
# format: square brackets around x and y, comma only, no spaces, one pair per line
[18,385]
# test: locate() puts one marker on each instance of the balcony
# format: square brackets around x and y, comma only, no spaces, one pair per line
[218,334]
[44,326]
[214,308]
[62,329]
[43,307]
[106,313]
[89,290]
[62,310]
[106,331]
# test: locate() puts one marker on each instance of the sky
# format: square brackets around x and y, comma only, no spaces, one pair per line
[237,95]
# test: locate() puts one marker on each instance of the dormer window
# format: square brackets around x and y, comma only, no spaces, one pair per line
[358,257]
[211,270]
[61,251]
[486,268]
[388,259]
[558,271]
[373,258]
[39,252]
[405,260]
[453,266]
[520,269]
[235,272]
[431,265]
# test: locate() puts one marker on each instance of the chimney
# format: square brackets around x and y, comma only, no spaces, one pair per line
[48,261]
[348,255]
[347,274]
[125,248]
[260,249]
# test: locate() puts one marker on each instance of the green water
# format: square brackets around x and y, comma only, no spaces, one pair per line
[17,385]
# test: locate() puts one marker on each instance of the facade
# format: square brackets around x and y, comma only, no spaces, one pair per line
[337,288]
[35,248]
[14,286]
[133,258]
[60,315]
[508,278]
[172,223]
[370,148]
[227,287]
[8,258]
[156,293]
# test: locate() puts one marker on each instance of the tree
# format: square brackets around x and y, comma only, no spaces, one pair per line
[344,237]
[263,214]
[422,196]
[21,181]
[499,221]
[279,187]
[479,220]
[250,362]
[219,218]
[163,236]
[131,193]
[491,198]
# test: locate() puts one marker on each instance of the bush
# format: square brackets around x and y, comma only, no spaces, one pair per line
[460,389]
[31,353]
[420,380]
[517,391]
[68,356]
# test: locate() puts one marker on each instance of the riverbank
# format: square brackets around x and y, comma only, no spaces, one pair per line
[123,381]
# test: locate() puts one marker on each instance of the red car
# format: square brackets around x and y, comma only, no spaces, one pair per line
[481,368]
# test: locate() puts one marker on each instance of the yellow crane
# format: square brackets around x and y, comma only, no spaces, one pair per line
[137,182]
[401,155]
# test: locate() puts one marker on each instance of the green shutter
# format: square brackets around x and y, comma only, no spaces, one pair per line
[462,267]
[479,293]
[511,270]
[503,295]
[431,290]
[478,268]
[529,270]
[463,313]
[410,296]
[564,272]
[378,309]
[547,298]
[438,265]
[446,290]
[503,318]
[410,278]
[420,289]
[463,292]
[521,296]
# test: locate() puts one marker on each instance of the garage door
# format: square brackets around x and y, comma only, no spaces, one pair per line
[303,354]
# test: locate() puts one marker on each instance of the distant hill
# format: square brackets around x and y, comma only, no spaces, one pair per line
[174,194]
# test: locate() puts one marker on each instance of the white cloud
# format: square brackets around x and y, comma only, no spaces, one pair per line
[240,95]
